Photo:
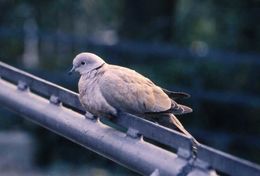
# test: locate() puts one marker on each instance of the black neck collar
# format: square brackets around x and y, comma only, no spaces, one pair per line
[100,66]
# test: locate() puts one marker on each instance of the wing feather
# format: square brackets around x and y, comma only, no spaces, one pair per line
[129,91]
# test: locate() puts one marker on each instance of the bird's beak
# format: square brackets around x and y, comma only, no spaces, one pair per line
[72,70]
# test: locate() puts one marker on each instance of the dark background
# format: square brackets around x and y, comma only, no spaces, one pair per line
[210,49]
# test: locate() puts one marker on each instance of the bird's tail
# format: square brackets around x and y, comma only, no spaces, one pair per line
[177,123]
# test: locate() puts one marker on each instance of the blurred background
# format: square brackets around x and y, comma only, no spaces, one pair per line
[210,49]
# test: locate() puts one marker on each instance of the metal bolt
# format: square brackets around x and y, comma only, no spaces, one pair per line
[22,86]
[90,116]
[54,100]
[133,133]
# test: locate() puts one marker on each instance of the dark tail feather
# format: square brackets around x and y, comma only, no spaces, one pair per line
[176,95]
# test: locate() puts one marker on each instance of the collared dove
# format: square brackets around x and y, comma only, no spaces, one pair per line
[105,90]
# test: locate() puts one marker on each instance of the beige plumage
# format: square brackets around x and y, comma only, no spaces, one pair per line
[108,89]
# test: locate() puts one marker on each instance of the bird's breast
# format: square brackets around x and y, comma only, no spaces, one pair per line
[91,97]
[88,92]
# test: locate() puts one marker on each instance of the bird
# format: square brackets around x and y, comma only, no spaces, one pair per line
[106,90]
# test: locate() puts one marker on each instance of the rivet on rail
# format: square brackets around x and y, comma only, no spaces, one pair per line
[55,100]
[22,85]
[133,133]
[90,116]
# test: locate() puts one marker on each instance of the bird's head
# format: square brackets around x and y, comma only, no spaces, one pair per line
[86,62]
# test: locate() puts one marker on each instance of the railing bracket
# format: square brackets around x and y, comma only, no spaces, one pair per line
[55,100]
[133,133]
[90,116]
[22,85]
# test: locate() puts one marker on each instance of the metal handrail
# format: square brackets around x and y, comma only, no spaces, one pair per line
[125,150]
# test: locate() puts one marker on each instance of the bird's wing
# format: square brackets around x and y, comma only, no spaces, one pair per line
[129,91]
[176,95]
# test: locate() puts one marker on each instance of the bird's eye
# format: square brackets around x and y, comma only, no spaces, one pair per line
[82,63]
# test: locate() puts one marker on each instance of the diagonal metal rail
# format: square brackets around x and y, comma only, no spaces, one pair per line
[89,133]
[126,149]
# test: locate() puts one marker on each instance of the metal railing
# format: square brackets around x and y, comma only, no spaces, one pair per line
[27,95]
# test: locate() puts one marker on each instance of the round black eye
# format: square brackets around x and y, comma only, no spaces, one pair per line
[82,63]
